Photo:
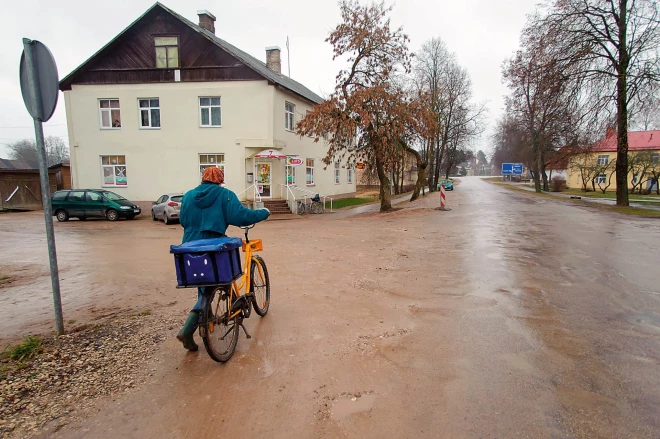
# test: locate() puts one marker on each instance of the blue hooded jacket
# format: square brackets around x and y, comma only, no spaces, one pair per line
[209,209]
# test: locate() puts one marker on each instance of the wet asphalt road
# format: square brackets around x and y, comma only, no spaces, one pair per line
[510,316]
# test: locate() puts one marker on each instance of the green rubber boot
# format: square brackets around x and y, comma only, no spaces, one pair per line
[185,335]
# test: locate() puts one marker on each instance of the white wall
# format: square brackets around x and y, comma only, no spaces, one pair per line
[305,148]
[167,159]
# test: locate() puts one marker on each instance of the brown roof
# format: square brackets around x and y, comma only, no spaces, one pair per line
[14,164]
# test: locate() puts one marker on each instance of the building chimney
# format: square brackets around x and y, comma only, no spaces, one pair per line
[206,20]
[273,59]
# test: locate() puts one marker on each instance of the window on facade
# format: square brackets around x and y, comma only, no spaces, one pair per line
[309,174]
[290,175]
[210,114]
[210,161]
[349,174]
[337,173]
[289,118]
[149,113]
[655,158]
[601,179]
[109,113]
[167,52]
[114,170]
[603,159]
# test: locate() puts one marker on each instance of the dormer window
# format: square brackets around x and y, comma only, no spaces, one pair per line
[167,52]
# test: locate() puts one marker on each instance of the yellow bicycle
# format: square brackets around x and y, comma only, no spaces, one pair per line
[224,307]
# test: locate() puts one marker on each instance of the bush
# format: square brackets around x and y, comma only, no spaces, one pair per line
[558,184]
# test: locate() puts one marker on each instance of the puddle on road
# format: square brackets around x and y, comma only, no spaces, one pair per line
[345,407]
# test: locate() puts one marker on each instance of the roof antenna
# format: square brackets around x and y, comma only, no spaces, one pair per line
[288,55]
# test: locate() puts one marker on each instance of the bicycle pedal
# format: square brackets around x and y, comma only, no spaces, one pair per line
[247,335]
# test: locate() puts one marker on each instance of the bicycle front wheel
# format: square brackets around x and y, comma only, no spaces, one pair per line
[300,208]
[221,331]
[260,286]
[317,207]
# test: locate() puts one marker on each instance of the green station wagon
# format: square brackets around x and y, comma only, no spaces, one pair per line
[89,203]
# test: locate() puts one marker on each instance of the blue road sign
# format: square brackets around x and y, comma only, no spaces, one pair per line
[512,168]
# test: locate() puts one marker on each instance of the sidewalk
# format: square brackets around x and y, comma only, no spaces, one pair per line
[610,202]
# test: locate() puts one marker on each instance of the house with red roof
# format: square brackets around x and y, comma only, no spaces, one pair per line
[643,153]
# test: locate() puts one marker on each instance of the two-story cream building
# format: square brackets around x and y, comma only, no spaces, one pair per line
[167,98]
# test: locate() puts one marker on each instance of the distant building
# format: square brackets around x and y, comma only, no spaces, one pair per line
[603,153]
[14,164]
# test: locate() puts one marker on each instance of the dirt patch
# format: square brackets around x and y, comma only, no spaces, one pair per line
[57,386]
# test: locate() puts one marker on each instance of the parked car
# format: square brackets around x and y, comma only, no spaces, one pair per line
[448,184]
[167,208]
[88,203]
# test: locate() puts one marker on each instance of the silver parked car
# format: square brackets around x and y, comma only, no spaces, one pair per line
[167,208]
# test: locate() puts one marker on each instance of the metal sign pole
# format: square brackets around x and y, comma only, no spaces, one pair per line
[33,86]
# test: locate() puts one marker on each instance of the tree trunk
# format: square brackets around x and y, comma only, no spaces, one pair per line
[448,170]
[385,196]
[622,110]
[543,174]
[438,167]
[421,179]
[395,177]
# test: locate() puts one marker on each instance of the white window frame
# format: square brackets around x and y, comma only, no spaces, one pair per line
[210,108]
[148,110]
[601,179]
[113,166]
[349,174]
[209,164]
[603,159]
[109,111]
[289,116]
[337,173]
[290,170]
[309,168]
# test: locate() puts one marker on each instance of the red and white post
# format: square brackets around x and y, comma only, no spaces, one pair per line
[443,199]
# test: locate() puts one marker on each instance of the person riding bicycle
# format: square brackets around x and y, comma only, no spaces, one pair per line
[206,212]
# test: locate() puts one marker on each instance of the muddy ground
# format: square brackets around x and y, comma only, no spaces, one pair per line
[510,316]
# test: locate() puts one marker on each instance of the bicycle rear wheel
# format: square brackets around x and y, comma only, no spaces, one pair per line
[221,331]
[260,286]
[317,207]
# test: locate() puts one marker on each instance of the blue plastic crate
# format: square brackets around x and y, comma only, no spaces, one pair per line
[207,262]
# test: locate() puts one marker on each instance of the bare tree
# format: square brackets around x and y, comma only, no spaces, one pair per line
[642,165]
[616,43]
[603,169]
[586,165]
[368,108]
[57,151]
[543,97]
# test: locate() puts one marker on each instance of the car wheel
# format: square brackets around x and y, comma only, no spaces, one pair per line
[112,215]
[166,220]
[62,216]
[153,216]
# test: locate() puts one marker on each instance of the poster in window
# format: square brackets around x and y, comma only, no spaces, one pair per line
[120,176]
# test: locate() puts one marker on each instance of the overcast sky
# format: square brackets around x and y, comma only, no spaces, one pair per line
[481,32]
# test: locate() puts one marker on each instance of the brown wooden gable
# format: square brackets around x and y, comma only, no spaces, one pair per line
[131,57]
